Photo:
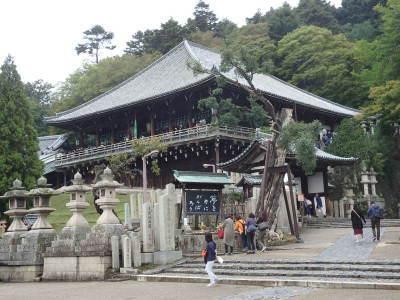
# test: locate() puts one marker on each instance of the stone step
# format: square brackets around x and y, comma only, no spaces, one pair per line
[312,267]
[304,261]
[292,273]
[276,281]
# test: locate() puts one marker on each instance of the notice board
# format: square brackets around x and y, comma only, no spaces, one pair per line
[200,202]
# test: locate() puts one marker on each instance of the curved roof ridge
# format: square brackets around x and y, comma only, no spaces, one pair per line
[137,74]
[309,93]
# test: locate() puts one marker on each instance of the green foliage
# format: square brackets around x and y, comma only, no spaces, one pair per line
[385,102]
[18,142]
[93,80]
[251,48]
[350,140]
[318,61]
[318,13]
[204,18]
[226,112]
[299,138]
[142,147]
[159,40]
[357,12]
[95,39]
[281,21]
[39,98]
[378,60]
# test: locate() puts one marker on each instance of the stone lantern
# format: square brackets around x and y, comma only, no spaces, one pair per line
[107,200]
[16,197]
[41,204]
[77,224]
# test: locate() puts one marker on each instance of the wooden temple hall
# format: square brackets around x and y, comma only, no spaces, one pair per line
[162,101]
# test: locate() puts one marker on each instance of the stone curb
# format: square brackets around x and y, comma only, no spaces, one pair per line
[272,282]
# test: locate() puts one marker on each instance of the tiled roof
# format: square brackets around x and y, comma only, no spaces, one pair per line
[201,177]
[320,154]
[248,179]
[171,73]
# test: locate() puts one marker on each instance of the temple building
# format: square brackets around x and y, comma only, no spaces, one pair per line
[162,101]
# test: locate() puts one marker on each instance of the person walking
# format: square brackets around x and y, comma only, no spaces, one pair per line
[229,234]
[357,220]
[308,207]
[262,227]
[319,205]
[240,227]
[375,213]
[210,255]
[251,231]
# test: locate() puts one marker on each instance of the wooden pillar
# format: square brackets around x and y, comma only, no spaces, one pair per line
[216,153]
[112,134]
[97,137]
[81,138]
[152,132]
[128,132]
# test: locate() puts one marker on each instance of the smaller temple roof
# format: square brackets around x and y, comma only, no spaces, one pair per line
[250,179]
[202,177]
[254,155]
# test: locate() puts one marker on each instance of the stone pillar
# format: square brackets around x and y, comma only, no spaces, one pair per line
[115,252]
[126,251]
[336,208]
[373,181]
[136,205]
[156,227]
[147,227]
[136,249]
[166,218]
[365,182]
[341,208]
[127,214]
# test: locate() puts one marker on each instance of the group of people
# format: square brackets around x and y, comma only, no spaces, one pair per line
[252,232]
[375,214]
[308,207]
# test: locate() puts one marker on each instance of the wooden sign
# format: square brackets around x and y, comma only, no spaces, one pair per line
[199,202]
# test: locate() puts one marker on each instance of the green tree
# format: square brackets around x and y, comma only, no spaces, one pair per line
[299,138]
[95,39]
[357,12]
[318,61]
[159,40]
[281,21]
[378,59]
[39,97]
[253,47]
[318,13]
[18,140]
[93,80]
[350,140]
[204,18]
[224,28]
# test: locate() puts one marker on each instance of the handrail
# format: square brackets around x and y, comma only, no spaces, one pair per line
[182,135]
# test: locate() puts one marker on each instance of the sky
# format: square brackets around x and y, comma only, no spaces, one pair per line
[42,34]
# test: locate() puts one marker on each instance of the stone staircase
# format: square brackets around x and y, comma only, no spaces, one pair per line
[307,273]
[345,223]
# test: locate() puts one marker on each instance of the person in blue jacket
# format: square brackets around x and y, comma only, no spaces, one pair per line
[375,213]
[210,257]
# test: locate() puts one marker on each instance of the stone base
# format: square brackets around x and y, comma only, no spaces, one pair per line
[166,257]
[76,268]
[148,258]
[20,273]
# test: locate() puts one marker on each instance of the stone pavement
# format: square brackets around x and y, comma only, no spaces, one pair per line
[176,291]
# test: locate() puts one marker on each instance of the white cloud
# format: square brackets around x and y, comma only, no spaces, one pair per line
[42,34]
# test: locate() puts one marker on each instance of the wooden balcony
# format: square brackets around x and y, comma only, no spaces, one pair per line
[175,138]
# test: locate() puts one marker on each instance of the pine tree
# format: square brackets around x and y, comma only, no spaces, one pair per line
[18,140]
[204,18]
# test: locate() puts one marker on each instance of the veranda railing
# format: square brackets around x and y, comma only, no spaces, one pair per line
[170,138]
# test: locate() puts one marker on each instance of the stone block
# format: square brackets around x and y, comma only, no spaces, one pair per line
[166,257]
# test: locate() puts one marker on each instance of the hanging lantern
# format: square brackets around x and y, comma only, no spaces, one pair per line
[197,153]
[185,155]
[166,159]
[176,157]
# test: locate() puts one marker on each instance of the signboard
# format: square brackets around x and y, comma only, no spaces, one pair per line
[200,202]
